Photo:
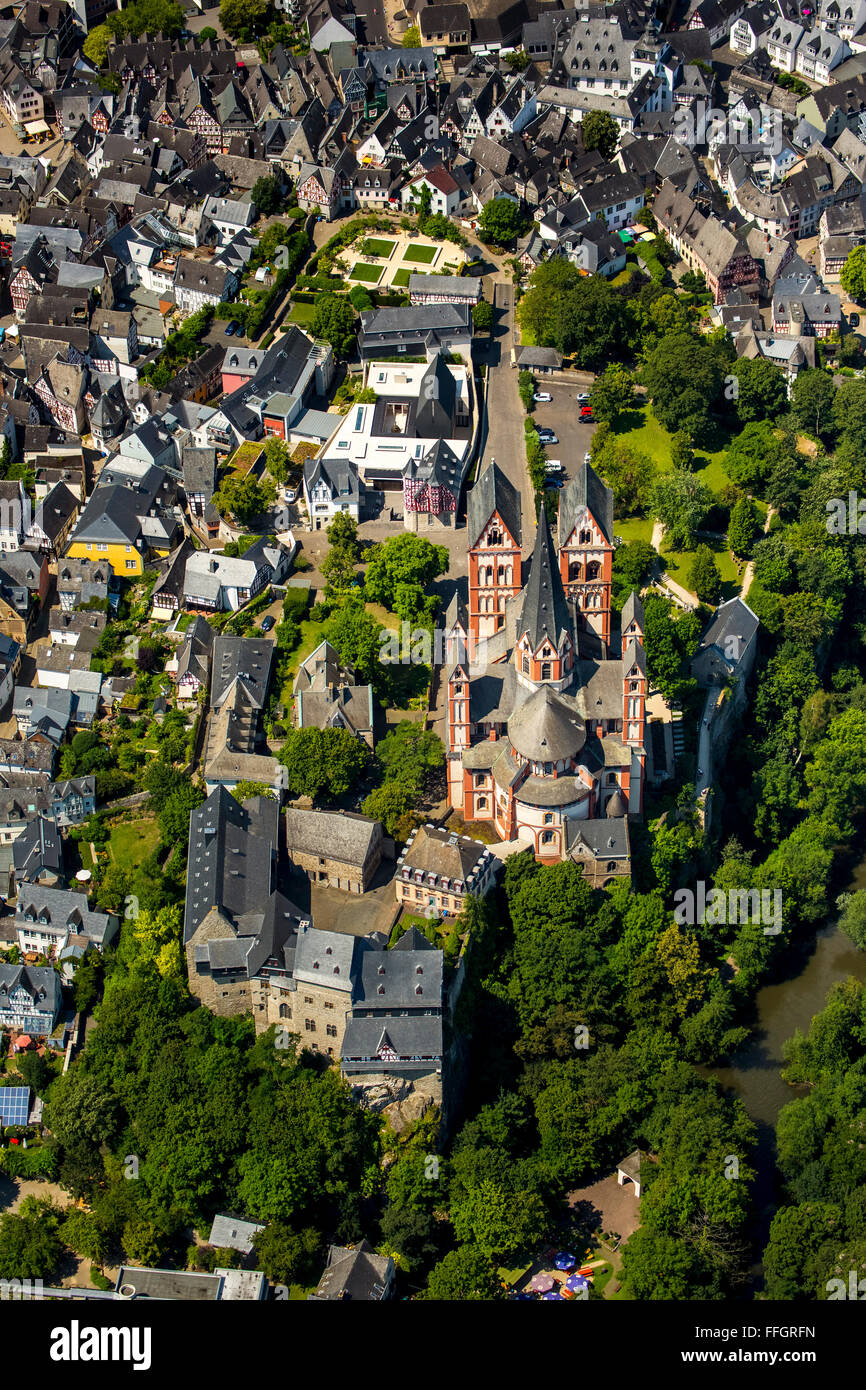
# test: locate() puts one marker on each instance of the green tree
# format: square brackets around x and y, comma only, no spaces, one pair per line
[704,575]
[243,18]
[464,1275]
[682,452]
[243,499]
[852,919]
[287,1256]
[742,527]
[574,313]
[334,321]
[629,472]
[753,454]
[600,132]
[853,275]
[412,37]
[482,316]
[266,196]
[761,390]
[501,221]
[403,559]
[681,502]
[684,375]
[30,1247]
[812,398]
[409,753]
[612,392]
[323,761]
[277,459]
[95,46]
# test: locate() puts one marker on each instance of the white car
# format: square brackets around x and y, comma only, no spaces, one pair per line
[547,437]
[587,458]
[542,397]
[289,494]
[553,466]
[582,397]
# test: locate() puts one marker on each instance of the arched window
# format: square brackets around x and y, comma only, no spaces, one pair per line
[500,575]
[526,665]
[482,803]
[545,670]
[548,818]
[593,569]
[285,1011]
[494,537]
[611,867]
[548,837]
[509,575]
[575,569]
[585,538]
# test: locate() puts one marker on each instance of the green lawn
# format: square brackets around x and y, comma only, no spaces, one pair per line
[635,528]
[426,255]
[401,277]
[679,562]
[371,274]
[377,246]
[131,841]
[642,431]
[302,314]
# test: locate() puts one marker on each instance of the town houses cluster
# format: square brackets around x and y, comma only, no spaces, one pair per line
[128,212]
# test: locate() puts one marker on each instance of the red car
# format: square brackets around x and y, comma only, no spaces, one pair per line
[586,413]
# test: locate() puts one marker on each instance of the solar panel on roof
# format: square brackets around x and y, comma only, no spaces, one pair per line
[14,1105]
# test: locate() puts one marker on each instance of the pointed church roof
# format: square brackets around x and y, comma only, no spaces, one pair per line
[632,611]
[493,492]
[585,489]
[547,727]
[545,611]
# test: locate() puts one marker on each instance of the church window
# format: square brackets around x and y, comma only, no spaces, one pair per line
[526,665]
[548,818]
[545,670]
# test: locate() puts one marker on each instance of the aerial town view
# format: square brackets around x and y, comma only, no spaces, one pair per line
[433,665]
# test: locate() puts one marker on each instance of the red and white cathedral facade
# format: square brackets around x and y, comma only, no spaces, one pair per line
[545,719]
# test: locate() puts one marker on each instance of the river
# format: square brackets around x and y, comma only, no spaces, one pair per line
[782,1008]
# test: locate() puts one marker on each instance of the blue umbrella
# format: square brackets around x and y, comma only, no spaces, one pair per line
[522,1298]
[565,1260]
[576,1283]
[550,1297]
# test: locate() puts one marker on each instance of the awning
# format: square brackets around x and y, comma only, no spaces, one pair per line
[626,237]
[37,128]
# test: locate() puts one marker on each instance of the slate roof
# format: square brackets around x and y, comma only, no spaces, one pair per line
[544,610]
[547,727]
[585,489]
[493,492]
[347,838]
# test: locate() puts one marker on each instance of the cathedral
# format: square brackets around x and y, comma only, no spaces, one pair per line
[546,705]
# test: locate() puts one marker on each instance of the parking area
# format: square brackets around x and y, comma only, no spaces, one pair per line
[562,415]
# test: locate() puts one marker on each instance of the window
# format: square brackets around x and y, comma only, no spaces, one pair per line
[331,1030]
[548,818]
[308,998]
[547,837]
[130,564]
[310,1025]
[545,670]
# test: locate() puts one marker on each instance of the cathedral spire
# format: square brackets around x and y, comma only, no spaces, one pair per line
[545,611]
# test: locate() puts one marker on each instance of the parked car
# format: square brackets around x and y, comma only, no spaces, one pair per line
[553,466]
[289,494]
[554,482]
[268,622]
[854,320]
[542,397]
[547,437]
[586,414]
[582,397]
[230,328]
[587,458]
